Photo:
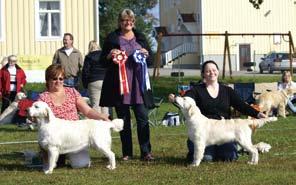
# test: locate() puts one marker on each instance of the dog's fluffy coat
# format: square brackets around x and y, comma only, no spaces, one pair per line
[203,131]
[58,136]
[275,99]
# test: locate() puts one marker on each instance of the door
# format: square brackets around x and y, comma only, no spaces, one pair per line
[244,55]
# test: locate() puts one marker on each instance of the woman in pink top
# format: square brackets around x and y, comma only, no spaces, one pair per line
[65,102]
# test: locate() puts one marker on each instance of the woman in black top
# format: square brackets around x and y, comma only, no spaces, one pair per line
[215,101]
[93,73]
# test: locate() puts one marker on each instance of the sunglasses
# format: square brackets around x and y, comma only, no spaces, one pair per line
[60,79]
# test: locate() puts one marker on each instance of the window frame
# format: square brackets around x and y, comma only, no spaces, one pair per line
[38,24]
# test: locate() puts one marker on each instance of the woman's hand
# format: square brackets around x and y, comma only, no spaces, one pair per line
[171,98]
[261,115]
[144,51]
[90,112]
[113,52]
[104,117]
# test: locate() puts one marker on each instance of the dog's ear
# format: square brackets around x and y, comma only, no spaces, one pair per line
[48,114]
[191,110]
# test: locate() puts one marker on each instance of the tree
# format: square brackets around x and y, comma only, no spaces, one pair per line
[109,10]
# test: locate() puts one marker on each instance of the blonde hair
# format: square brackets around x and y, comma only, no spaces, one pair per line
[93,46]
[284,74]
[126,13]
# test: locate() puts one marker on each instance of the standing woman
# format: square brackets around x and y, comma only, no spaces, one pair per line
[127,38]
[93,73]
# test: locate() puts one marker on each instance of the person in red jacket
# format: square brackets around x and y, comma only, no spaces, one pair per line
[13,79]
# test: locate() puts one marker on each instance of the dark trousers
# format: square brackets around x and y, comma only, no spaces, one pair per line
[7,99]
[224,152]
[143,131]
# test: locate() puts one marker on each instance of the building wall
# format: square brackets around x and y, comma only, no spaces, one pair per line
[234,16]
[78,18]
[272,17]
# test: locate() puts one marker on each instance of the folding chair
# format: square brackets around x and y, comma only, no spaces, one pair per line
[33,95]
[153,113]
[245,91]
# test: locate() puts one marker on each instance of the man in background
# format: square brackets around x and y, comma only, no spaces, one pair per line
[71,59]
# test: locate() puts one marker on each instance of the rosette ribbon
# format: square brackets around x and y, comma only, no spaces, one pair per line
[140,58]
[120,59]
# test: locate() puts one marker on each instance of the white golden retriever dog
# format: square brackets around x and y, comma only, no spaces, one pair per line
[58,136]
[203,131]
[10,111]
[275,99]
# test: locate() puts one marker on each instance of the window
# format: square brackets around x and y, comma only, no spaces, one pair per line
[48,19]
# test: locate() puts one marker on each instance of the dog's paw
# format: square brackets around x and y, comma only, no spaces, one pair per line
[47,172]
[110,167]
[252,163]
[194,164]
[273,118]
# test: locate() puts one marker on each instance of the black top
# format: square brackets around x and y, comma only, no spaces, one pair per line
[93,68]
[216,108]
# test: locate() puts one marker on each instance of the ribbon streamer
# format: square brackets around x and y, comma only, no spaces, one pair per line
[140,58]
[120,59]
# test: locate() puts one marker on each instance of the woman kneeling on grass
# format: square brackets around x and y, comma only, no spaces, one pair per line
[65,102]
[215,100]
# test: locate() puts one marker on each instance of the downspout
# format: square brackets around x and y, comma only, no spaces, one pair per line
[97,22]
[201,31]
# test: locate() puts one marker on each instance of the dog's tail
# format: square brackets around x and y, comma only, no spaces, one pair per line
[263,147]
[117,125]
[257,123]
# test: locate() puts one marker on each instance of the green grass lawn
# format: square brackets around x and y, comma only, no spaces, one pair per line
[169,147]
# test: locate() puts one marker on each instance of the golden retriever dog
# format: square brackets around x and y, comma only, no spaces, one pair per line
[275,99]
[58,136]
[203,131]
[8,114]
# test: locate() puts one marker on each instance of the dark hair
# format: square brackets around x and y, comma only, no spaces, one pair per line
[53,71]
[70,35]
[204,65]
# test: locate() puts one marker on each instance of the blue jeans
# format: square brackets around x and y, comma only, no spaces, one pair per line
[71,82]
[143,131]
[225,152]
[291,105]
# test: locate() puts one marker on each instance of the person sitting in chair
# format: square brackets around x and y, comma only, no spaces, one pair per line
[286,83]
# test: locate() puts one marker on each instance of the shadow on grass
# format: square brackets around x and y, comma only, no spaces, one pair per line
[173,161]
[10,162]
[15,129]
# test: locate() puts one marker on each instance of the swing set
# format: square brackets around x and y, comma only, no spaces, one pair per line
[226,55]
